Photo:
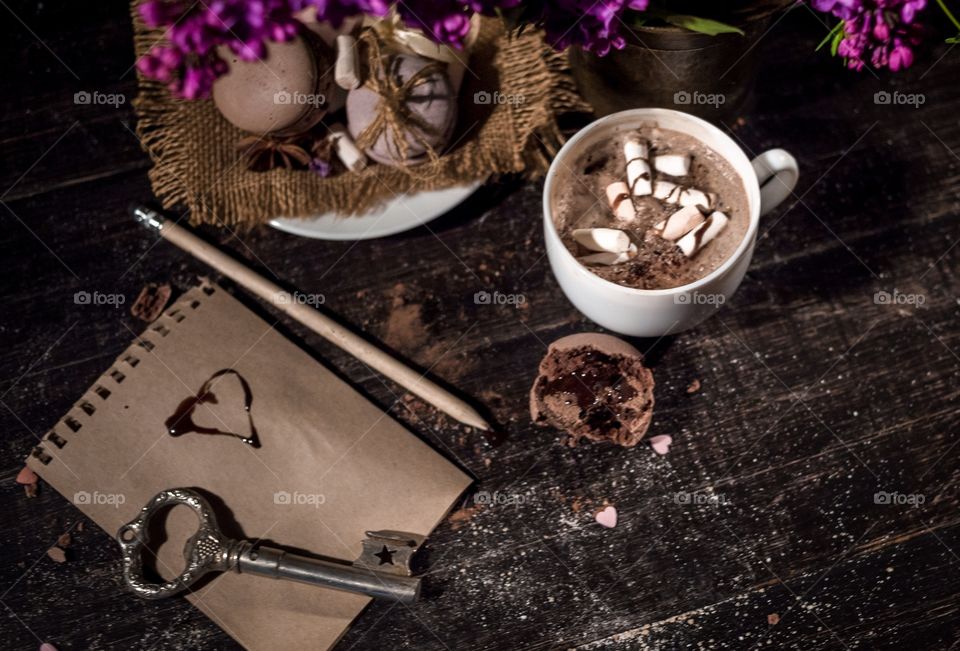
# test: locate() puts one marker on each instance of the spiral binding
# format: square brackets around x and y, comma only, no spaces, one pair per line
[61,433]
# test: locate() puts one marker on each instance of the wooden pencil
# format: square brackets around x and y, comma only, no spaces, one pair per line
[318,322]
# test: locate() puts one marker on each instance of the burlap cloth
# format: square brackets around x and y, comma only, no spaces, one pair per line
[197,166]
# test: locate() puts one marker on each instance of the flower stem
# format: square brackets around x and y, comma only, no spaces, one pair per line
[952,18]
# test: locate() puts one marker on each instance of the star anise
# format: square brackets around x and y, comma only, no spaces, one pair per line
[263,153]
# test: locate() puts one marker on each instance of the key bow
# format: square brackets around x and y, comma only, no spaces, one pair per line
[206,550]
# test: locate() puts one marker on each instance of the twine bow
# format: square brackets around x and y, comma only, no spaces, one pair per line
[411,40]
[395,117]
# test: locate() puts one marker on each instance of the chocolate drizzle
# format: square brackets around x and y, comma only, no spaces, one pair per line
[640,177]
[698,234]
[596,386]
[593,394]
[674,195]
[182,421]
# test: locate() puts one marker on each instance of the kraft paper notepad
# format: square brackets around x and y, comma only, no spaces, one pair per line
[330,465]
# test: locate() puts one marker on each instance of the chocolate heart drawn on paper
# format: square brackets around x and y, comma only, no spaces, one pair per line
[183,421]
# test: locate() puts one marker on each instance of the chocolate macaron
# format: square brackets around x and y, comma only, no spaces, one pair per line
[594,386]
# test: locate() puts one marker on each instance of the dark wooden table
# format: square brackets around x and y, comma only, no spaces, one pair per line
[815,396]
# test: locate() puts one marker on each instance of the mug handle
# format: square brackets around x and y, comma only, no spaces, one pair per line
[778,163]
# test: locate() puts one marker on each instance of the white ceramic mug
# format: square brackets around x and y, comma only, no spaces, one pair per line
[656,312]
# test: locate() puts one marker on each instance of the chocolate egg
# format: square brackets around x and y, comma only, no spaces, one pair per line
[287,91]
[433,102]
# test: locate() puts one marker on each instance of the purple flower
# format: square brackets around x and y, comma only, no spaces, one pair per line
[321,167]
[901,57]
[189,61]
[910,8]
[156,14]
[594,26]
[188,76]
[840,8]
[336,11]
[245,26]
[882,32]
[444,21]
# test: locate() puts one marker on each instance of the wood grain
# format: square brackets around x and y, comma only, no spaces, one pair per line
[814,398]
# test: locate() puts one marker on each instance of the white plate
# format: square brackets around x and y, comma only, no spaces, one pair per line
[395,216]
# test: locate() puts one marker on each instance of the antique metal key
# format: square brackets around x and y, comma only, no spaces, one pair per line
[382,571]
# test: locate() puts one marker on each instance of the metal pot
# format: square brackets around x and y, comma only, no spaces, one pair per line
[670,67]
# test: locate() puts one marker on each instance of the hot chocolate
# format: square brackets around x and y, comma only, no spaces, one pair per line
[651,208]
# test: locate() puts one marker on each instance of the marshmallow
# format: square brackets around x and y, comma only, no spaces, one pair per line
[700,236]
[673,164]
[608,258]
[680,223]
[618,195]
[673,193]
[636,152]
[346,150]
[666,191]
[694,197]
[346,70]
[602,239]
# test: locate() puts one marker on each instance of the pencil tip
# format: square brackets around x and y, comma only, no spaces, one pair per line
[480,424]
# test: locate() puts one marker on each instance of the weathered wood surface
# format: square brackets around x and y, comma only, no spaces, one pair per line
[814,396]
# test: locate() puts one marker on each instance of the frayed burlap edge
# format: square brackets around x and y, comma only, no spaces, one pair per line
[197,167]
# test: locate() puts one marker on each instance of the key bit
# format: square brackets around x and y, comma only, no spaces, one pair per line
[389,551]
[382,571]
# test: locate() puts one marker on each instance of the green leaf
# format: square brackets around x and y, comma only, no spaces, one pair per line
[702,25]
[953,40]
[831,36]
[835,45]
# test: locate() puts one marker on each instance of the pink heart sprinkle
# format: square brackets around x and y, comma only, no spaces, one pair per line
[607,517]
[27,476]
[661,443]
